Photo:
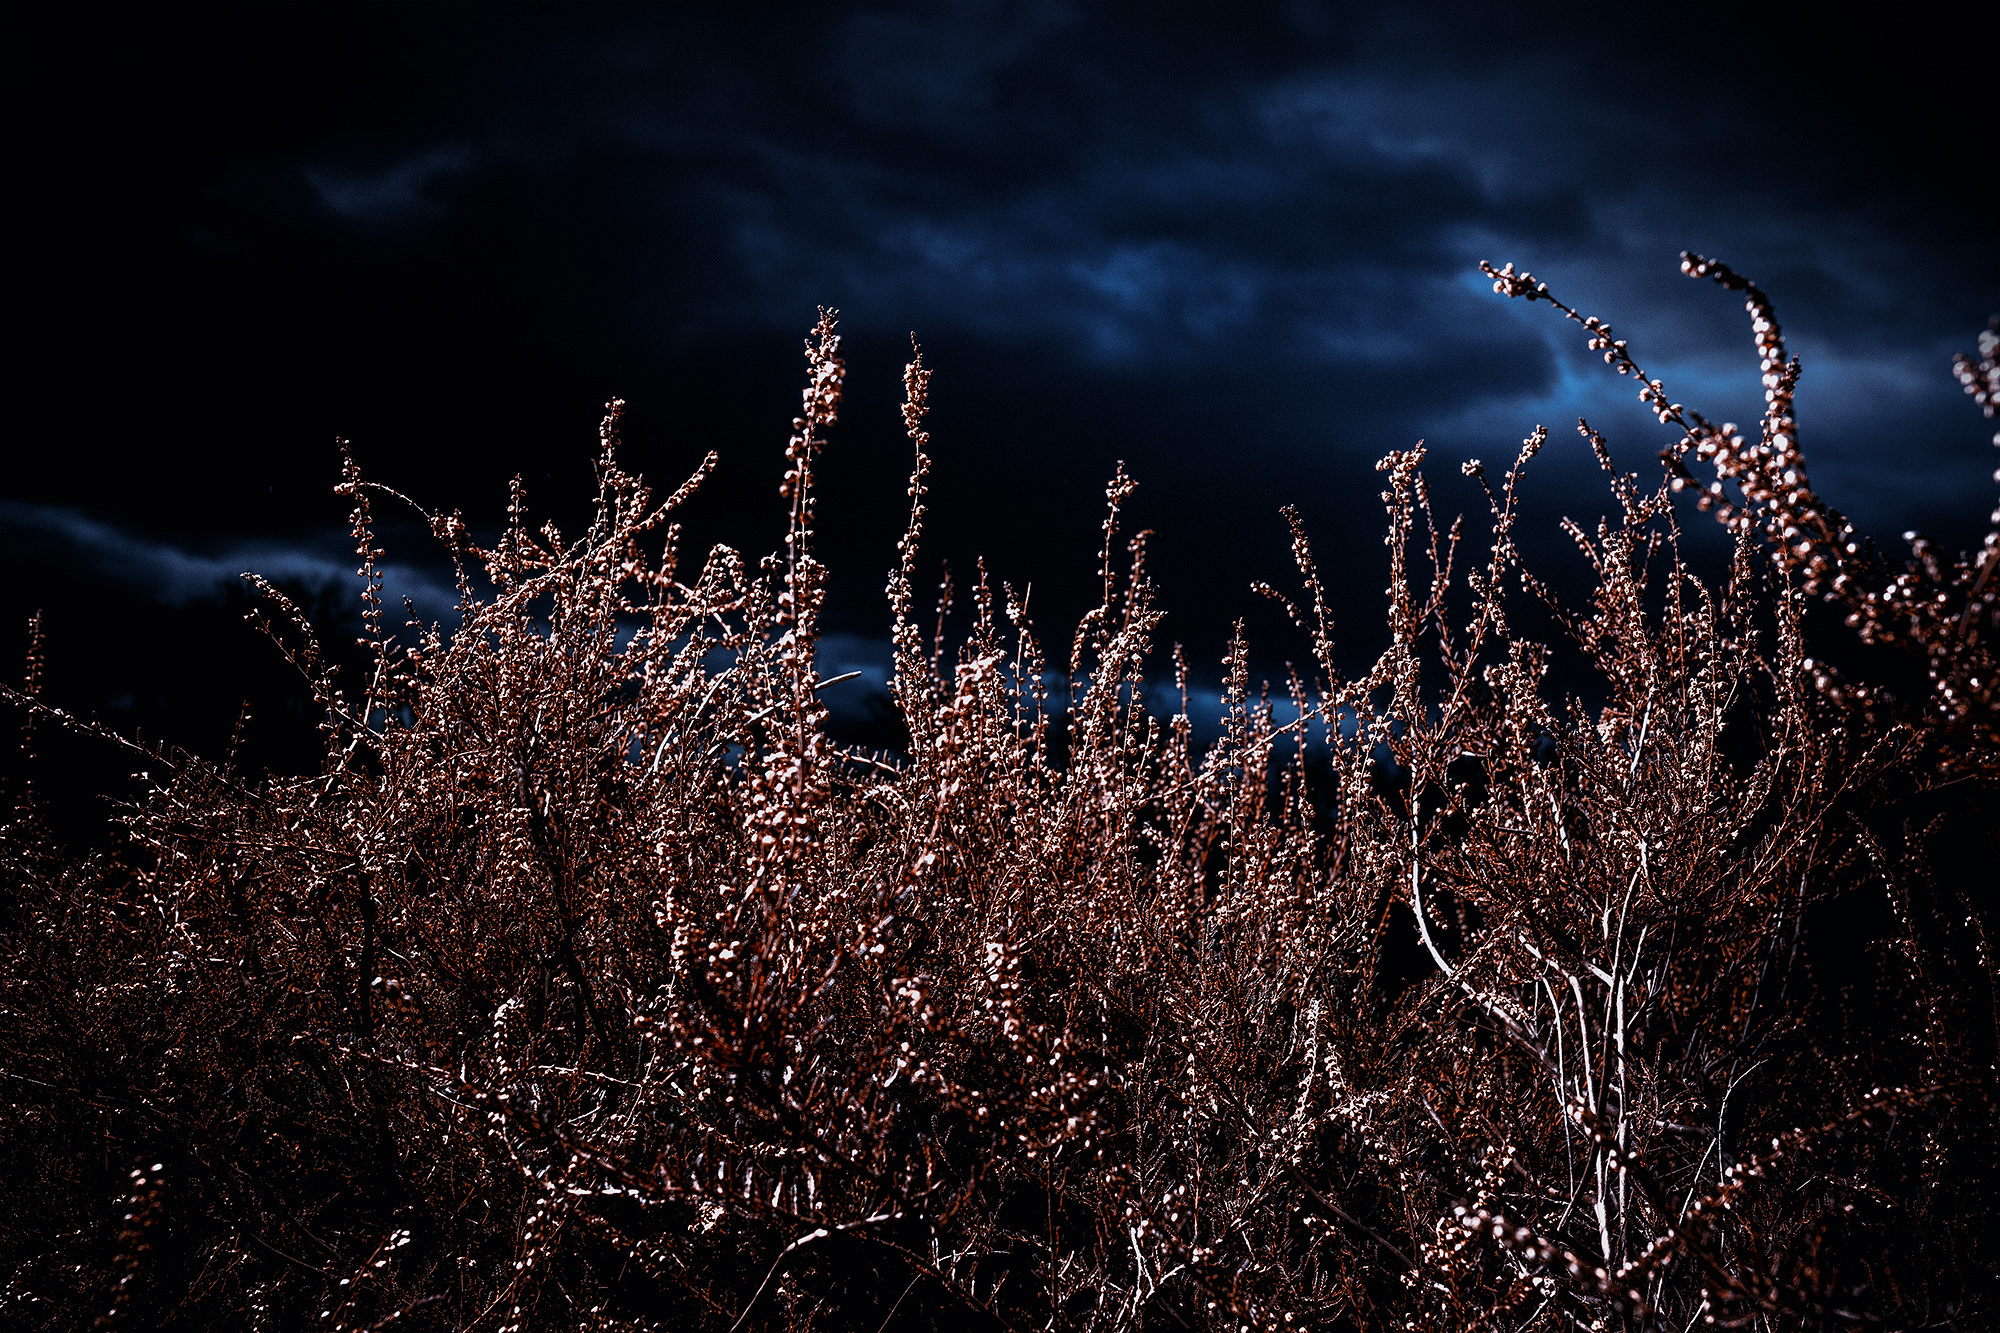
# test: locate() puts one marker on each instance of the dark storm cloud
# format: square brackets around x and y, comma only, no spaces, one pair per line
[1236,248]
[1309,202]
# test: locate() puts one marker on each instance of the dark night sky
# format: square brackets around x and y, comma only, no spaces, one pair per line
[1234,246]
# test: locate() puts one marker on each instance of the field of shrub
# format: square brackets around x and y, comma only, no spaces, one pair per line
[590,984]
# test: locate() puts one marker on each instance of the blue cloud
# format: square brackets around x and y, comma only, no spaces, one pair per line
[401,193]
[176,576]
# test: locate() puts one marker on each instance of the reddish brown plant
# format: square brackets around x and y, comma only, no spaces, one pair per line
[589,983]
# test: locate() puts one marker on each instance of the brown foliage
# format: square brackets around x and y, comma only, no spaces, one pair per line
[589,984]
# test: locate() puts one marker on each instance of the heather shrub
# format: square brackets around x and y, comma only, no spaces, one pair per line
[590,984]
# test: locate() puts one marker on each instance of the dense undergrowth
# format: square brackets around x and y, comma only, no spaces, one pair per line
[589,984]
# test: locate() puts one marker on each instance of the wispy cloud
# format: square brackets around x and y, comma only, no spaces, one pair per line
[1317,200]
[400,193]
[176,576]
